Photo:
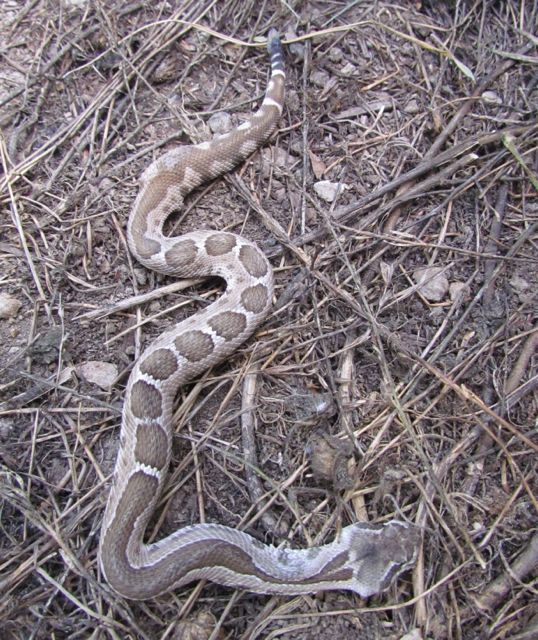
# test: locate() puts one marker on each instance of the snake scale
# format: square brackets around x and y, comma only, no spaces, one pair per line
[363,558]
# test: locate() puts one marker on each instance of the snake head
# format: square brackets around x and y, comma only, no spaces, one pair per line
[379,553]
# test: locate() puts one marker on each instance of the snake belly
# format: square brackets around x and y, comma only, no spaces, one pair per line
[364,558]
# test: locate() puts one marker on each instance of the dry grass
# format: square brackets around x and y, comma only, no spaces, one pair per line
[435,401]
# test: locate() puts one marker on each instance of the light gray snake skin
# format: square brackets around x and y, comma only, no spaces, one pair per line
[364,558]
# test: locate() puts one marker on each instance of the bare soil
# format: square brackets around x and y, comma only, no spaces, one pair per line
[424,114]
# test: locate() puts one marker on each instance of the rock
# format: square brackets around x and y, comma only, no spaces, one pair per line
[141,276]
[320,78]
[335,54]
[220,122]
[328,190]
[46,347]
[296,49]
[433,284]
[490,97]
[412,107]
[522,288]
[275,158]
[457,290]
[102,374]
[519,284]
[9,306]
[348,69]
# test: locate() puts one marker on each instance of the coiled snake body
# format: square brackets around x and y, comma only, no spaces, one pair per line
[364,558]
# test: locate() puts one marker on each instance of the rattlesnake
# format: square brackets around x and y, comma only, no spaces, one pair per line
[364,558]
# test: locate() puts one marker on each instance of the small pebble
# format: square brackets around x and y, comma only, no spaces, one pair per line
[99,373]
[328,190]
[9,306]
[220,122]
[433,284]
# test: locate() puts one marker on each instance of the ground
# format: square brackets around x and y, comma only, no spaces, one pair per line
[396,376]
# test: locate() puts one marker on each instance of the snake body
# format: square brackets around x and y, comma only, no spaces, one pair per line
[364,558]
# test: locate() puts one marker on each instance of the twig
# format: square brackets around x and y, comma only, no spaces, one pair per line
[255,489]
[526,563]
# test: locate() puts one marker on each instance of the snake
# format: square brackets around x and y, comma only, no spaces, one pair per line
[364,558]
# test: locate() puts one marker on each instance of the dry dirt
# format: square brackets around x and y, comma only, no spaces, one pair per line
[425,114]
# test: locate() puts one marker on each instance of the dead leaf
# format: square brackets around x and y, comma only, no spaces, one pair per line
[318,166]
